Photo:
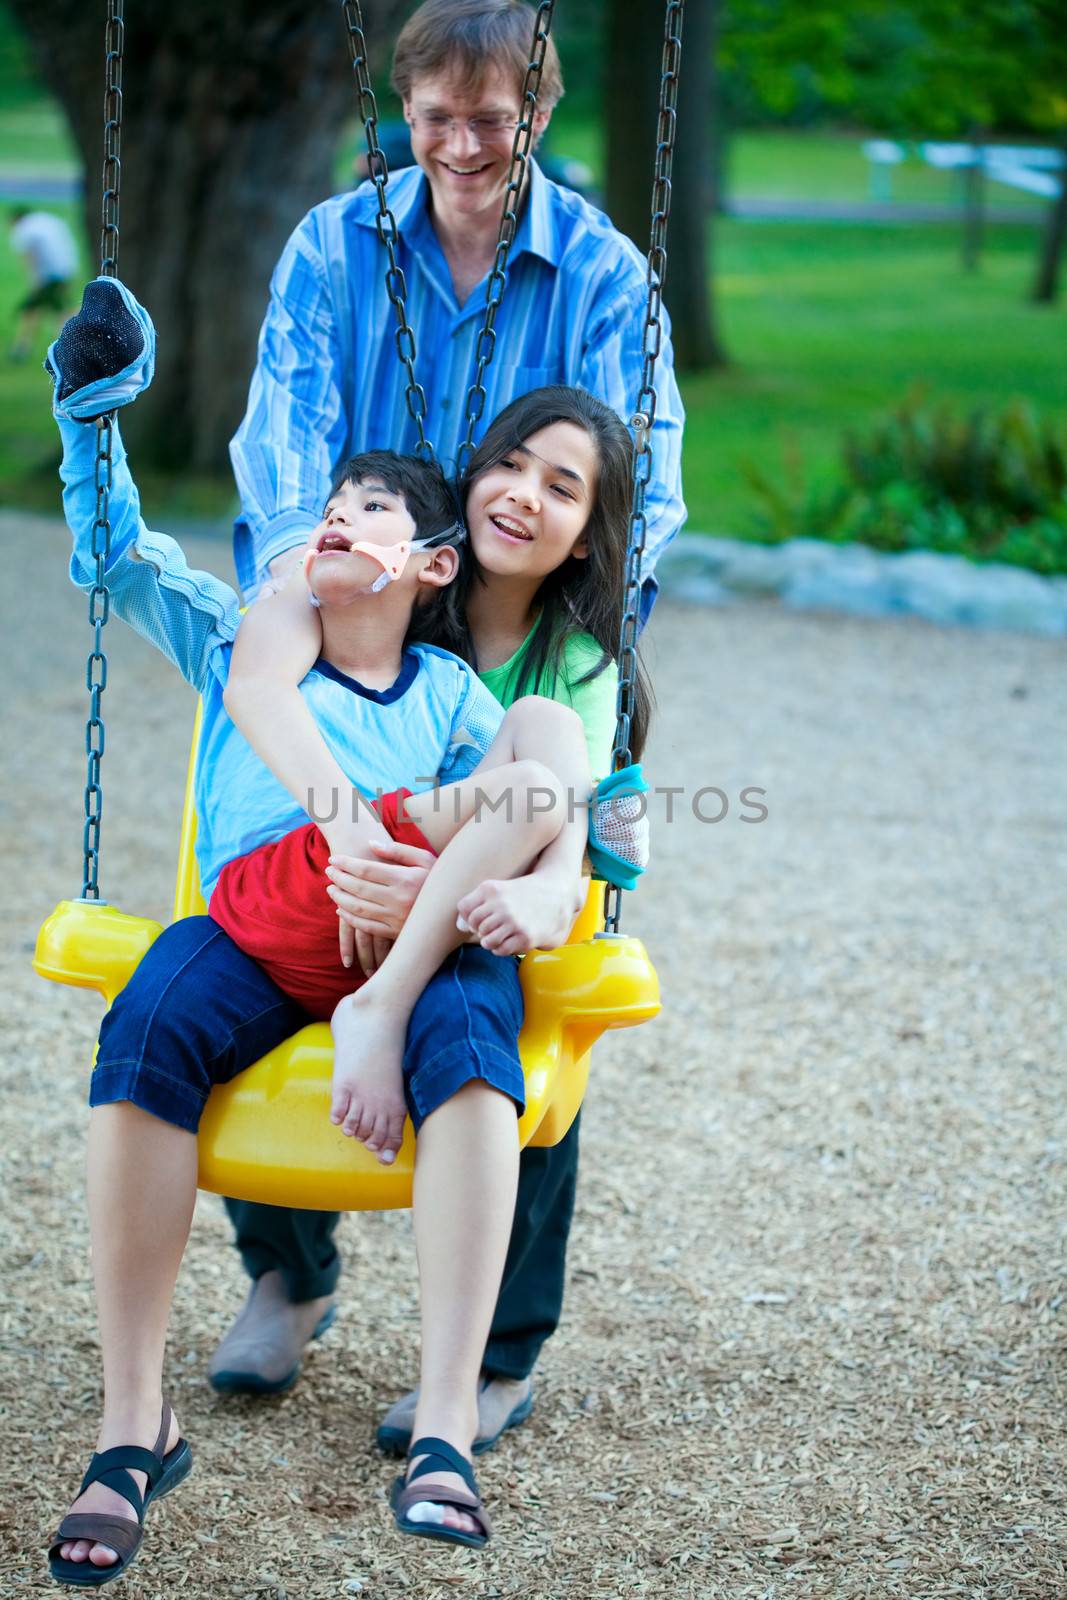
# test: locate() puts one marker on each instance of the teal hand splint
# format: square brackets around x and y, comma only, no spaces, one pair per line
[618,835]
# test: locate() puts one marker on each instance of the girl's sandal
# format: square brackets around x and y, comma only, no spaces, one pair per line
[438,1454]
[112,1469]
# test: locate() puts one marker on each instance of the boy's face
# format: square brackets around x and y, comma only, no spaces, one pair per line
[366,513]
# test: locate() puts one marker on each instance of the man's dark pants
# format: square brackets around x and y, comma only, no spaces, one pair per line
[301,1245]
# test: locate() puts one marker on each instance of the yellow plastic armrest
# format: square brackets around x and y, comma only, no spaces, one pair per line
[93,946]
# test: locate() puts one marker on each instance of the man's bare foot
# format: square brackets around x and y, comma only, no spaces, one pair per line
[510,915]
[98,1498]
[368,1072]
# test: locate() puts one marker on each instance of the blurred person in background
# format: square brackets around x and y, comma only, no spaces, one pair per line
[47,248]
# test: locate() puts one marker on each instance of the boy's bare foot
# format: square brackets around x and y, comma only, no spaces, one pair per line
[100,1499]
[368,1073]
[510,915]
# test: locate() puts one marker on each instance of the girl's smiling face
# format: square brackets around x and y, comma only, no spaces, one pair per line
[527,513]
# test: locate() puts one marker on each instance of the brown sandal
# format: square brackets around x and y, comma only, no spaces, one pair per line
[438,1454]
[111,1468]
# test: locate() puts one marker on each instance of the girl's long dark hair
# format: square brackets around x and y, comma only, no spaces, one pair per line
[583,595]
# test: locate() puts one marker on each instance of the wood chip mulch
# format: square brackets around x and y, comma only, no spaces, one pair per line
[814,1340]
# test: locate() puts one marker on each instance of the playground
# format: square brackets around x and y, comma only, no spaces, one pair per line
[812,1339]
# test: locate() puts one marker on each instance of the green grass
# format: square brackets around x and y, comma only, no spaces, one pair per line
[35,135]
[828,325]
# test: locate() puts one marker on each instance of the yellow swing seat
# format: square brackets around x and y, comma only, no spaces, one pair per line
[266,1135]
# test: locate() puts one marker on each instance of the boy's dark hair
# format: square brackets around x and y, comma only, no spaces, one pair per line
[438,618]
[421,484]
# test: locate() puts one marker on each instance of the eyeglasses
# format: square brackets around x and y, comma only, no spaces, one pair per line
[483,129]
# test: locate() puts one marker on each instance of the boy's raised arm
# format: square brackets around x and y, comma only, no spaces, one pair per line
[101,361]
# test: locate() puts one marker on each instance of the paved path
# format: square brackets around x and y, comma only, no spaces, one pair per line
[814,1336]
[53,186]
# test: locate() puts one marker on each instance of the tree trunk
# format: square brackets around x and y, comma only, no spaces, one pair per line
[230,122]
[696,343]
[1046,285]
[634,56]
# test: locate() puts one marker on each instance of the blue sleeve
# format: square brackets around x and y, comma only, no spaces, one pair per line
[188,615]
[612,365]
[296,428]
[475,724]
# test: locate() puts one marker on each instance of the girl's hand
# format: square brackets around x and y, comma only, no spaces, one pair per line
[365,948]
[374,897]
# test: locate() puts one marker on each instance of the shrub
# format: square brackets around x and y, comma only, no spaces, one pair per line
[988,486]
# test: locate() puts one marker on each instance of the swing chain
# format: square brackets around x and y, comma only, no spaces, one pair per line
[645,411]
[109,232]
[99,596]
[388,233]
[509,221]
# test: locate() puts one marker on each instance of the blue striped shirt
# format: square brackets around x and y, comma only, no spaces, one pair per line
[328,382]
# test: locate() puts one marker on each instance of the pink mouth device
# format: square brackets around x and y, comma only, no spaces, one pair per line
[392,558]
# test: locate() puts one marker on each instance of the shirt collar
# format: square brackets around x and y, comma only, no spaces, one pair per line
[408,194]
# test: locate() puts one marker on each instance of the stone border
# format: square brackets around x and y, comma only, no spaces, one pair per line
[810,574]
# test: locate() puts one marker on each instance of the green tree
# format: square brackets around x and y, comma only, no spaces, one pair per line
[932,68]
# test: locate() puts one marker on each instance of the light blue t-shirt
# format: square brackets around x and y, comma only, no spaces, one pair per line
[433,724]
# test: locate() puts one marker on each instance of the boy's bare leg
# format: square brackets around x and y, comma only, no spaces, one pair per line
[370,1026]
[142,1189]
[466,1177]
[537,908]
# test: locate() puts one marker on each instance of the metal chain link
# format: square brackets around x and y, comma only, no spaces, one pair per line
[388,233]
[99,597]
[509,221]
[645,412]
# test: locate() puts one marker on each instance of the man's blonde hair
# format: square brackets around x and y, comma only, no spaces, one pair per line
[465,37]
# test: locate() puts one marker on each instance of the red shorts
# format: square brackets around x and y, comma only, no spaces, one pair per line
[273,904]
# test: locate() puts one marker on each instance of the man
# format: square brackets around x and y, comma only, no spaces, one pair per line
[328,383]
[47,247]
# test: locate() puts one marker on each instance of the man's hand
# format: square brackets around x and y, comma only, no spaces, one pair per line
[281,569]
[373,897]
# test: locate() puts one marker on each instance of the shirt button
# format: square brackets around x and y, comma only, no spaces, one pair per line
[445,403]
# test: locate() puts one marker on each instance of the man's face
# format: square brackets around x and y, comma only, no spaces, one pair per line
[462,138]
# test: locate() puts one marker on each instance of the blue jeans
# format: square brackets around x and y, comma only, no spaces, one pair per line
[198,1011]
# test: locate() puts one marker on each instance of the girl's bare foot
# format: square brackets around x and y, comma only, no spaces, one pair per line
[510,915]
[100,1499]
[434,1511]
[368,1072]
